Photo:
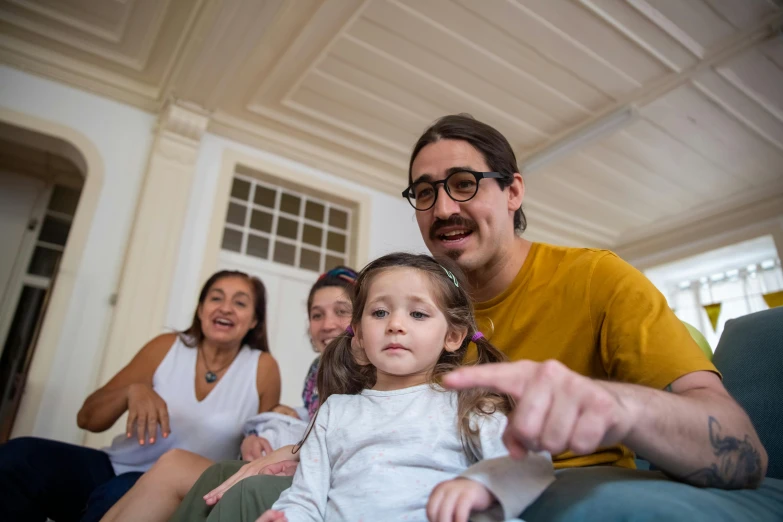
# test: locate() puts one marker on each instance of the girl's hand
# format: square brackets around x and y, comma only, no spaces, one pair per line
[256,467]
[272,516]
[454,500]
[146,410]
[285,410]
[255,447]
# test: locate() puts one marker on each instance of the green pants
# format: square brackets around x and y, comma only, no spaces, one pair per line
[245,502]
[602,494]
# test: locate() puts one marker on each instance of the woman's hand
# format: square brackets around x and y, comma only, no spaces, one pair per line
[272,516]
[286,468]
[257,467]
[454,500]
[107,404]
[146,410]
[255,447]
[285,410]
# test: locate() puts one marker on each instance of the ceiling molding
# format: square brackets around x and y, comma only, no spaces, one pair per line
[351,129]
[559,228]
[137,78]
[645,33]
[601,234]
[469,101]
[428,13]
[727,206]
[344,140]
[326,25]
[735,45]
[770,25]
[690,238]
[44,62]
[347,86]
[674,252]
[212,34]
[322,159]
[662,21]
[739,102]
[734,79]
[117,51]
[552,235]
[114,36]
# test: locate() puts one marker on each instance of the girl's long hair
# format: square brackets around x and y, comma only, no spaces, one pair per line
[344,372]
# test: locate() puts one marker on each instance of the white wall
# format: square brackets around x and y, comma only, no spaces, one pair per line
[393,224]
[122,135]
[392,228]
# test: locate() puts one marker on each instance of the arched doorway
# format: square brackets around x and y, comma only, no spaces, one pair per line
[41,180]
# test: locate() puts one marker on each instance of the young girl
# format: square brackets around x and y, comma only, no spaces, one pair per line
[388,443]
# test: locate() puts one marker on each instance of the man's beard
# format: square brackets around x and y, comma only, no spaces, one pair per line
[453,254]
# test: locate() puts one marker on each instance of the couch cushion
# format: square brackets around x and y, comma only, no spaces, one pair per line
[750,357]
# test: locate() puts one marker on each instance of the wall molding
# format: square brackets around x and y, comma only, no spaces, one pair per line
[698,236]
[143,294]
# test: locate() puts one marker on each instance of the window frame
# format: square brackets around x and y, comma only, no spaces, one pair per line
[277,172]
[300,219]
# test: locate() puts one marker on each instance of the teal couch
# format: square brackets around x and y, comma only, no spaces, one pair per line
[750,357]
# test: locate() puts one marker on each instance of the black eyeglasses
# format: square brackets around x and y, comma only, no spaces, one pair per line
[461,186]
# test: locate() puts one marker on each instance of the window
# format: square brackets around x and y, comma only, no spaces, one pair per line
[734,279]
[286,226]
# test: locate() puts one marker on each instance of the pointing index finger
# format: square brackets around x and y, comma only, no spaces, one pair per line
[507,378]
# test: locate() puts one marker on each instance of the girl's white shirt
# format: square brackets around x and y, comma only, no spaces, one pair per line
[378,455]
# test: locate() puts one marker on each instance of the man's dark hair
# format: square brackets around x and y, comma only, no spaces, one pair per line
[487,140]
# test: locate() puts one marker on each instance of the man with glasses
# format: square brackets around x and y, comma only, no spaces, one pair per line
[603,369]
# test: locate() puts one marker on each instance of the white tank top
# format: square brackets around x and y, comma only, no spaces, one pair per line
[211,427]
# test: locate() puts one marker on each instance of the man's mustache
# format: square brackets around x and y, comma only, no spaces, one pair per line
[453,221]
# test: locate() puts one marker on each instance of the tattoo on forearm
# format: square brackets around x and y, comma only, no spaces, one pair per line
[738,463]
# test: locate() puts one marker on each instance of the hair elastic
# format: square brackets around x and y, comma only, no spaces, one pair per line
[477,336]
[343,273]
[349,331]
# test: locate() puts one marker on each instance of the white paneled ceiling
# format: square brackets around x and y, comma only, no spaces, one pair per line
[348,86]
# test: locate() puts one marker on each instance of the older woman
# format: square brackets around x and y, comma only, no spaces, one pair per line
[191,390]
[158,494]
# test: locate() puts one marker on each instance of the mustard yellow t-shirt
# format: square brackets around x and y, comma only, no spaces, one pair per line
[599,316]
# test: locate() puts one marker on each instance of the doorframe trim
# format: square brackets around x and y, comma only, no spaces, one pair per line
[46,347]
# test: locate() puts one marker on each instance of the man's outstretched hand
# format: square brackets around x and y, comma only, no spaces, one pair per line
[556,408]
